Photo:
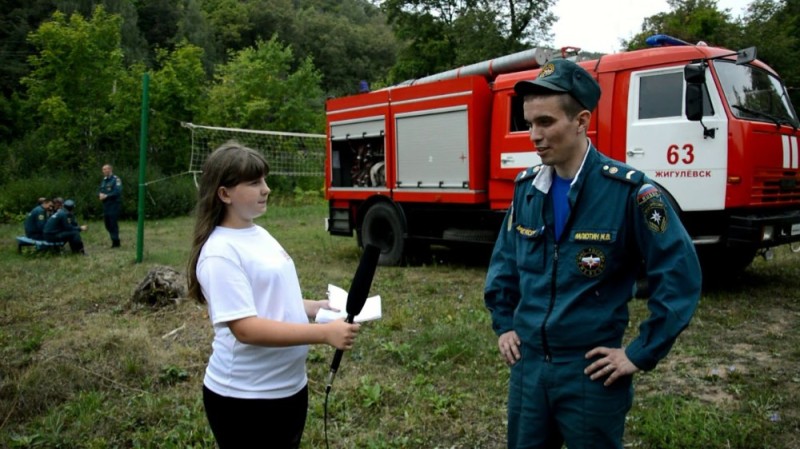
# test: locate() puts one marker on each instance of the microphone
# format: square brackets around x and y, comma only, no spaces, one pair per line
[357,296]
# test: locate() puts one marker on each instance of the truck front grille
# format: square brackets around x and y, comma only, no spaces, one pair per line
[776,187]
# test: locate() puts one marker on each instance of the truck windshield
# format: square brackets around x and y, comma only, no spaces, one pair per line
[754,94]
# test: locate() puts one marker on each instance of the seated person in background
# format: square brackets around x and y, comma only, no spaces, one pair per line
[63,227]
[36,219]
[58,203]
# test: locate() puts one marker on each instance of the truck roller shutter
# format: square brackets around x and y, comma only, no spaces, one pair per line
[433,149]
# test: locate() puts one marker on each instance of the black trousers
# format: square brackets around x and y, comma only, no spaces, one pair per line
[257,423]
[111,219]
[72,236]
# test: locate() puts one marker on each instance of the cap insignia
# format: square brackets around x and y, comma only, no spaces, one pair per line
[547,70]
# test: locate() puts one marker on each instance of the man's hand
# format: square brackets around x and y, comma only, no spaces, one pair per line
[613,364]
[102,196]
[509,347]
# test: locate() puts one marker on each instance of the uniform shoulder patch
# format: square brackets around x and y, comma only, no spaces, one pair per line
[625,174]
[528,173]
[651,204]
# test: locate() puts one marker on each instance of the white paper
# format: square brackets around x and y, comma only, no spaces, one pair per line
[337,299]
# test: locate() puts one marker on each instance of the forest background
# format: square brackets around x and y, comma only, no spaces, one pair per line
[71,73]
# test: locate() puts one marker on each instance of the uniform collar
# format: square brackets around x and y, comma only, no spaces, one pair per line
[544,179]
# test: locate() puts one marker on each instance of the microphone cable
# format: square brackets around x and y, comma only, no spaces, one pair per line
[325,414]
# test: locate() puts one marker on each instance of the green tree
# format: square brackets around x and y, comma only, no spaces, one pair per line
[69,90]
[773,27]
[359,45]
[134,45]
[692,21]
[179,91]
[258,89]
[121,134]
[229,21]
[444,34]
[158,21]
[193,27]
[267,18]
[17,19]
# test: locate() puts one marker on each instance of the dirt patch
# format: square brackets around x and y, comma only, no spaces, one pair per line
[758,351]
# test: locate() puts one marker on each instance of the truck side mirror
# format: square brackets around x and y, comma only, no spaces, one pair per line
[695,76]
[694,102]
[695,73]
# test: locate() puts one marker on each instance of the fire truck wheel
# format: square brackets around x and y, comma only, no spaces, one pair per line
[719,263]
[383,228]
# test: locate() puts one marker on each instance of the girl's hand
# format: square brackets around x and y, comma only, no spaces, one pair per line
[312,307]
[341,335]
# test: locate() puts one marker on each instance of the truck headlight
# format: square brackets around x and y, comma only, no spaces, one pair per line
[767,232]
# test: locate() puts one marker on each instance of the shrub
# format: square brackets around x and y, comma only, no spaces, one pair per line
[165,197]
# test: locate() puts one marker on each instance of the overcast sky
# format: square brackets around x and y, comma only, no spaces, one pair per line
[598,25]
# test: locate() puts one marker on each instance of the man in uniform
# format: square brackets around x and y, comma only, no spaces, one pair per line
[36,219]
[578,231]
[58,203]
[63,227]
[110,193]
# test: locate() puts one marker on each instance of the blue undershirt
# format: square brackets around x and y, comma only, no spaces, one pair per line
[559,191]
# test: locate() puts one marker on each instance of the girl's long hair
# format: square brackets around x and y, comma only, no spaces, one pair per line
[228,166]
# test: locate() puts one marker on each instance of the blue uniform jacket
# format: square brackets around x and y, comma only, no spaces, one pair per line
[61,221]
[564,298]
[35,221]
[112,187]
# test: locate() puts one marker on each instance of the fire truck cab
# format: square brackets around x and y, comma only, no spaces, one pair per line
[433,161]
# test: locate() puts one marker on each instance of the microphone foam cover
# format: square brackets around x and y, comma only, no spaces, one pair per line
[362,280]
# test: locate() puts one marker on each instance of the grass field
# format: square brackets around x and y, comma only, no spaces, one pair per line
[82,367]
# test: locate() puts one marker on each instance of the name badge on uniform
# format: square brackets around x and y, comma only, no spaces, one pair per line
[593,236]
[528,232]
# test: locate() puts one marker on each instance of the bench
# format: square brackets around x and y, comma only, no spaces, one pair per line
[39,245]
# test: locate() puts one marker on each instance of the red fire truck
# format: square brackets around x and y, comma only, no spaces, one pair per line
[433,161]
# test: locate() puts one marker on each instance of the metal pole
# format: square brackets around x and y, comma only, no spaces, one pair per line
[523,60]
[142,163]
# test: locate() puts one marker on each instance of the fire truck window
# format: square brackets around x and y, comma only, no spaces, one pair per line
[661,95]
[517,115]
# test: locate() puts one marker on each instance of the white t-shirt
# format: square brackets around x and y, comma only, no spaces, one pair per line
[243,273]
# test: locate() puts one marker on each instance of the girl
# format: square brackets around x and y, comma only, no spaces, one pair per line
[254,390]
